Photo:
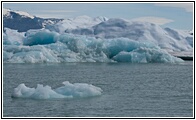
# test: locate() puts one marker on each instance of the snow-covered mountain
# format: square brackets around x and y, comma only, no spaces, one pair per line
[23,21]
[9,13]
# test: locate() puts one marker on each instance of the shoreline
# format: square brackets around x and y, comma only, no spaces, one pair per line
[187,58]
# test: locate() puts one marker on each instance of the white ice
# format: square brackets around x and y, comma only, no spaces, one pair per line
[69,90]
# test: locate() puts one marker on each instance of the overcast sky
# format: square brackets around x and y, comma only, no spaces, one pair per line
[174,15]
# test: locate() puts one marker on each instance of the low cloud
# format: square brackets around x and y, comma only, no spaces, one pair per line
[52,15]
[155,20]
[187,6]
[55,13]
[58,11]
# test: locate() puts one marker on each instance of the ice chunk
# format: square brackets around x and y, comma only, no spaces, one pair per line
[113,46]
[45,92]
[12,37]
[7,55]
[27,54]
[23,91]
[39,37]
[146,55]
[78,90]
[67,91]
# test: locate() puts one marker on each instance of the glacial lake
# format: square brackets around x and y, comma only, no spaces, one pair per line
[129,90]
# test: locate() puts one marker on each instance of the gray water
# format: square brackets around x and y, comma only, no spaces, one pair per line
[129,90]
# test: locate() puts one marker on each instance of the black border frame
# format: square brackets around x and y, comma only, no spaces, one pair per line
[98,117]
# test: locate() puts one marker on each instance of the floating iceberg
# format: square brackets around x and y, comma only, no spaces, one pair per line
[44,46]
[69,90]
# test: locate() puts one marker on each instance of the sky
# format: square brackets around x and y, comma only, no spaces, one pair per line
[174,15]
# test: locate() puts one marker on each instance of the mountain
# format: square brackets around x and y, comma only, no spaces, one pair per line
[22,21]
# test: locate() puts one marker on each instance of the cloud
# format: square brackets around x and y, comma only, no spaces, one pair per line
[187,6]
[155,20]
[58,11]
[48,15]
[55,13]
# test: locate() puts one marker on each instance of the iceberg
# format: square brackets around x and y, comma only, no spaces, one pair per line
[166,38]
[44,46]
[69,90]
[78,90]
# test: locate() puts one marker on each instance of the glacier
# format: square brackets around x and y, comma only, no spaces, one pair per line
[69,90]
[44,46]
[85,39]
[166,38]
[76,23]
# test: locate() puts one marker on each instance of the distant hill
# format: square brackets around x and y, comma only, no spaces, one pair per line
[22,21]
